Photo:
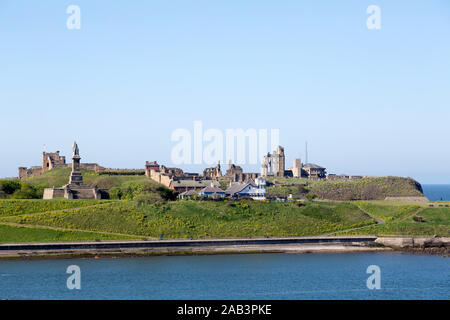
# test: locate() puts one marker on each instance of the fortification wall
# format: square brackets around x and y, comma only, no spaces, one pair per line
[29,172]
[160,178]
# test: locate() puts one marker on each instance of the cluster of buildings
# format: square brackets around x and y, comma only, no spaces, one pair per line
[206,184]
[251,189]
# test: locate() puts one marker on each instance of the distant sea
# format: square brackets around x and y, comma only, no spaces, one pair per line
[436,192]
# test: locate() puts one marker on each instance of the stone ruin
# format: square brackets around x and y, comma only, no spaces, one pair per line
[274,163]
[50,161]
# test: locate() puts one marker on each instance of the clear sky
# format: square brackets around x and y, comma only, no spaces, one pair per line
[369,102]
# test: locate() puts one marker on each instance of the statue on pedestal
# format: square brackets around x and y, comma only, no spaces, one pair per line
[75,150]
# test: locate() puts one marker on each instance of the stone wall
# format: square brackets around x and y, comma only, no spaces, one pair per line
[51,193]
[159,177]
[404,242]
[420,199]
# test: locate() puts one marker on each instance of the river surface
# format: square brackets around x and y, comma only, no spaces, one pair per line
[436,192]
[246,276]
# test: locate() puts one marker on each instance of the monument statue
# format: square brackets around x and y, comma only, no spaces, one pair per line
[75,150]
[75,189]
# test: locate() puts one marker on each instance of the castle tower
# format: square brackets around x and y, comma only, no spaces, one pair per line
[281,161]
[218,170]
[264,168]
[297,168]
[51,160]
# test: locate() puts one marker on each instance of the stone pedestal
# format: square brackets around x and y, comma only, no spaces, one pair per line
[76,179]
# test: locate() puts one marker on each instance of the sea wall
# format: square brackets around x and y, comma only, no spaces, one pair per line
[406,242]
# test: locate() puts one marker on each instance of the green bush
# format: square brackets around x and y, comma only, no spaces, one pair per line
[167,194]
[148,198]
[115,193]
[26,191]
[310,196]
[17,189]
[10,186]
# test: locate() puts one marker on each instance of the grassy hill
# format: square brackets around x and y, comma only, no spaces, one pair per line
[434,221]
[199,219]
[141,208]
[60,176]
[63,220]
[120,186]
[373,188]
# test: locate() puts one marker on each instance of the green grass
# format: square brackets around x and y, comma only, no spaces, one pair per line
[387,211]
[9,207]
[60,176]
[12,234]
[436,222]
[210,219]
[373,188]
[206,219]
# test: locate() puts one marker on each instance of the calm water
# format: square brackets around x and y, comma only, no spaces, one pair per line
[258,276]
[436,192]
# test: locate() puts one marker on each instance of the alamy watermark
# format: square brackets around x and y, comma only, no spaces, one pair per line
[241,146]
[73,22]
[374,20]
[74,280]
[374,281]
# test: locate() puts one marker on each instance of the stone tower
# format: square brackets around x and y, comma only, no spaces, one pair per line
[264,168]
[281,161]
[274,163]
[297,168]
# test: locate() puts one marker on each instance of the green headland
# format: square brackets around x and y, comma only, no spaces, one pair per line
[140,208]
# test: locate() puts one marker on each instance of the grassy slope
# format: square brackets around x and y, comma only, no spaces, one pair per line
[375,188]
[59,177]
[13,234]
[16,207]
[206,219]
[437,222]
[388,210]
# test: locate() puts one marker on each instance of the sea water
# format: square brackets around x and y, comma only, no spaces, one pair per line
[245,276]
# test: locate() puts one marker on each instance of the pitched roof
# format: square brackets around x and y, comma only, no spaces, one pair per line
[193,183]
[250,181]
[189,193]
[236,187]
[210,189]
[313,166]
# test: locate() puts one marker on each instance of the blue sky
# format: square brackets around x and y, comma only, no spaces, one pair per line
[369,102]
